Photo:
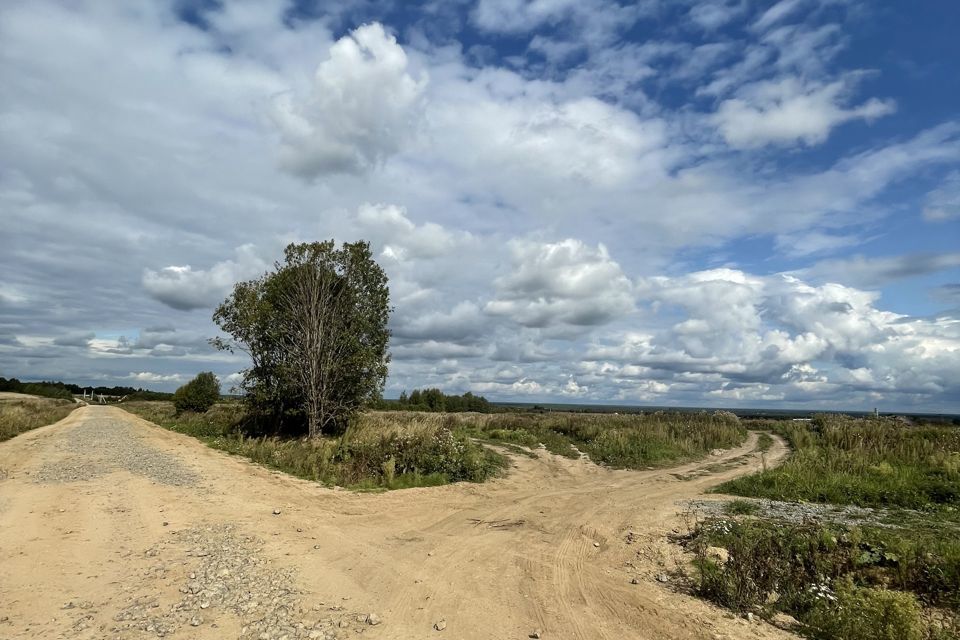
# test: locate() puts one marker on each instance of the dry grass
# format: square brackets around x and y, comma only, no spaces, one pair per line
[390,450]
[404,448]
[22,414]
[625,441]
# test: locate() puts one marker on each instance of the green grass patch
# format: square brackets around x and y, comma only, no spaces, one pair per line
[866,462]
[764,441]
[829,576]
[23,414]
[742,508]
[378,451]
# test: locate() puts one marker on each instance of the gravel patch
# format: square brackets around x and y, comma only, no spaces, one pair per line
[101,445]
[795,512]
[227,573]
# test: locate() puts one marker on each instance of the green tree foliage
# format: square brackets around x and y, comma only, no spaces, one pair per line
[45,389]
[199,394]
[316,331]
[437,400]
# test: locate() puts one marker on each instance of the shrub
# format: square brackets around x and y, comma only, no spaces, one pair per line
[199,394]
[742,508]
[864,613]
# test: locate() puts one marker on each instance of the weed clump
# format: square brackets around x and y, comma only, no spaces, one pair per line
[742,508]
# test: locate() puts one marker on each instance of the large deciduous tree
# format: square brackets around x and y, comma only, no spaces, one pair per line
[316,332]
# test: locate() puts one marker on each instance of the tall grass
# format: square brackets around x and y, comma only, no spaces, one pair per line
[378,450]
[400,448]
[22,414]
[867,462]
[623,441]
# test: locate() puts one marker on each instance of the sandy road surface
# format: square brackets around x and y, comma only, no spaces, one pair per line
[113,527]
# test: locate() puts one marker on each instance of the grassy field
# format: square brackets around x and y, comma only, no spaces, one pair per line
[22,414]
[866,462]
[398,449]
[896,575]
[621,441]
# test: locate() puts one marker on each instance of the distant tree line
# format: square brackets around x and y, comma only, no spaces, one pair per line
[437,400]
[66,390]
[45,389]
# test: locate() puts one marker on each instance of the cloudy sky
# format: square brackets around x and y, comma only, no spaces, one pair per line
[697,202]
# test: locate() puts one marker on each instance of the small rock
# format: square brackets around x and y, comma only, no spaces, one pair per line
[440,625]
[719,554]
[316,546]
[299,530]
[536,634]
[784,621]
[596,544]
[634,581]
[196,621]
[662,577]
[276,512]
[344,623]
[166,523]
[750,616]
[373,619]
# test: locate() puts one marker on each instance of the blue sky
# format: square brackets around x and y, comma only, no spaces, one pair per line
[698,202]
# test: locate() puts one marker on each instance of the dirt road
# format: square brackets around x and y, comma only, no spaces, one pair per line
[111,527]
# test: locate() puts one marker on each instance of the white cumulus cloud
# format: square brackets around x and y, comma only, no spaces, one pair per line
[363,105]
[566,282]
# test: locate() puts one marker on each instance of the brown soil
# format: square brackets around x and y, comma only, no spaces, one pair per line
[552,546]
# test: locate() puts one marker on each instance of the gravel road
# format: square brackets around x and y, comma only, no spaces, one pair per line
[111,527]
[111,444]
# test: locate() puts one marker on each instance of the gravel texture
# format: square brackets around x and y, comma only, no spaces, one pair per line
[104,445]
[226,572]
[796,512]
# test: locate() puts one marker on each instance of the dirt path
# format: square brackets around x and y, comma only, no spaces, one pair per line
[113,527]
